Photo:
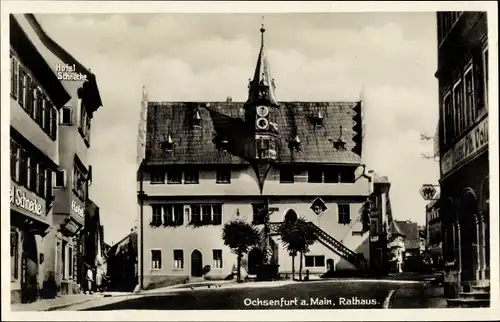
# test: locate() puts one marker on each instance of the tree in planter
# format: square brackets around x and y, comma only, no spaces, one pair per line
[297,236]
[240,237]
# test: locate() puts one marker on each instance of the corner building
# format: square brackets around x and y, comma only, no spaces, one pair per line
[203,164]
[463,145]
[71,181]
[36,96]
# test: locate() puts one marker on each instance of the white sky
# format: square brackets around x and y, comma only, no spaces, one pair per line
[327,56]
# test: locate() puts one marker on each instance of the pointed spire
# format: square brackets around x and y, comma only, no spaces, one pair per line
[261,87]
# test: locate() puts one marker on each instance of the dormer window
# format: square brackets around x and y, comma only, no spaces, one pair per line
[295,143]
[168,145]
[317,119]
[220,142]
[197,119]
[340,143]
[318,206]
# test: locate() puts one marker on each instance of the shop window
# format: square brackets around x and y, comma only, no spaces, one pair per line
[178,259]
[14,254]
[217,258]
[156,259]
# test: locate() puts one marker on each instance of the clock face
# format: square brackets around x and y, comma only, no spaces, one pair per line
[262,123]
[262,111]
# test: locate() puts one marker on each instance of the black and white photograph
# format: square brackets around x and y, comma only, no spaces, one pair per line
[265,161]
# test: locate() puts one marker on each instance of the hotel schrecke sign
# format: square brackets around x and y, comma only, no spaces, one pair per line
[26,201]
[466,148]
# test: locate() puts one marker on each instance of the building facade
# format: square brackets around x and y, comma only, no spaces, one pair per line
[90,247]
[207,163]
[463,145]
[36,96]
[71,181]
[434,239]
[122,264]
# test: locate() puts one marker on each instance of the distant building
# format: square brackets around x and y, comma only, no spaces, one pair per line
[404,243]
[91,245]
[196,175]
[380,217]
[434,236]
[396,246]
[121,264]
[463,145]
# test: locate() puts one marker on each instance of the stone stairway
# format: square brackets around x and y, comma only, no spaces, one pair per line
[475,296]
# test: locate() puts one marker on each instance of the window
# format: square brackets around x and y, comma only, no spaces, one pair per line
[60,179]
[217,255]
[64,266]
[156,218]
[174,176]
[286,175]
[217,214]
[173,214]
[191,176]
[84,126]
[458,108]
[70,262]
[29,172]
[315,175]
[14,254]
[79,182]
[206,214]
[157,176]
[14,77]
[66,115]
[332,175]
[469,97]
[259,213]
[195,213]
[223,175]
[32,98]
[344,214]
[178,259]
[448,122]
[314,261]
[485,73]
[155,259]
[346,175]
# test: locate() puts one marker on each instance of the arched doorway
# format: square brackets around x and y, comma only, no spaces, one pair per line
[29,269]
[485,209]
[468,234]
[196,263]
[255,259]
[291,216]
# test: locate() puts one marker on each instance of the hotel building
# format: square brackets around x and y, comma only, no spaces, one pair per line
[203,164]
[69,184]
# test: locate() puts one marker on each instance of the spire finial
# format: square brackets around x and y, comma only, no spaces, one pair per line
[262,31]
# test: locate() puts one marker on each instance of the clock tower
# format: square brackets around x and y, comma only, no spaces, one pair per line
[261,109]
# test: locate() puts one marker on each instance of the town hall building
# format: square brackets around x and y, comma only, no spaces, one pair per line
[203,164]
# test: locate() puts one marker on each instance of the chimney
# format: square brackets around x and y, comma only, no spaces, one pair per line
[229,99]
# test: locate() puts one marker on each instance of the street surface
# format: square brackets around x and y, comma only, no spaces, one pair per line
[327,294]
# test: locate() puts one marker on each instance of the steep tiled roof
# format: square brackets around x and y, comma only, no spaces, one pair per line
[195,145]
[411,231]
[395,230]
